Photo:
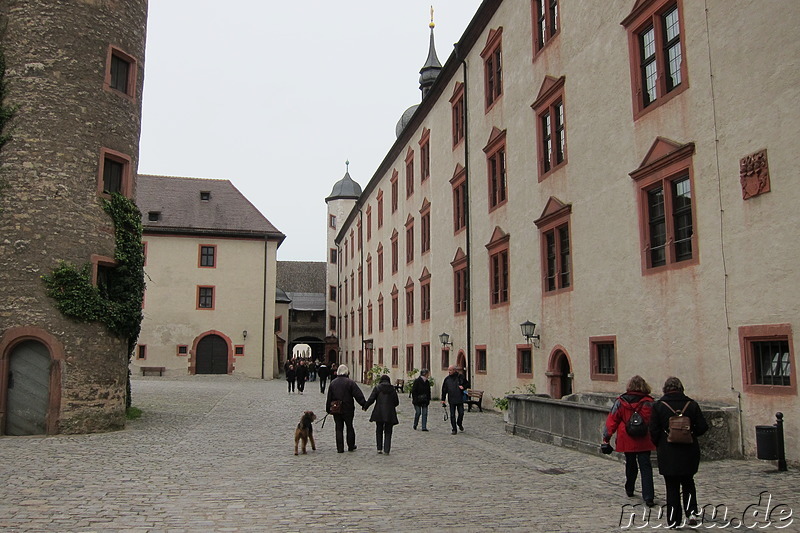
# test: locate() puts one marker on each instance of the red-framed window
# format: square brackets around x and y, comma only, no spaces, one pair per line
[395,190]
[546,23]
[369,223]
[657,53]
[395,357]
[409,358]
[460,283]
[380,262]
[445,358]
[499,269]
[369,271]
[353,286]
[425,355]
[409,172]
[551,126]
[524,361]
[332,221]
[121,72]
[556,248]
[114,174]
[332,293]
[480,359]
[425,155]
[425,297]
[141,351]
[183,350]
[409,302]
[768,359]
[395,307]
[360,235]
[457,105]
[333,256]
[346,291]
[459,184]
[207,256]
[492,55]
[409,239]
[205,297]
[495,151]
[380,312]
[332,322]
[667,213]
[238,349]
[278,324]
[395,252]
[603,358]
[379,198]
[380,356]
[425,228]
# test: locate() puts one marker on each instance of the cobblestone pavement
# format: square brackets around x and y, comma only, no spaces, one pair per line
[215,453]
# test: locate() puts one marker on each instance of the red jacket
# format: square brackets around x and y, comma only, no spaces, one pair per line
[621,411]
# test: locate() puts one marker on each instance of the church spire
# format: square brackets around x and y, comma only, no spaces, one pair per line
[430,71]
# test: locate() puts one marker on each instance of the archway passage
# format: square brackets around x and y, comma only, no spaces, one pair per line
[28,390]
[212,355]
[560,375]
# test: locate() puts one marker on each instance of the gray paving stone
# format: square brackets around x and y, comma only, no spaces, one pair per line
[215,453]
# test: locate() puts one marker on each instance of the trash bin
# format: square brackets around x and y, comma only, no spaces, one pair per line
[767,442]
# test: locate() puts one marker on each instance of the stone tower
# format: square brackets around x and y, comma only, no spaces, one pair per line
[340,202]
[74,75]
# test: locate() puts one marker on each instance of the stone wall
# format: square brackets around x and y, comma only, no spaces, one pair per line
[577,422]
[56,55]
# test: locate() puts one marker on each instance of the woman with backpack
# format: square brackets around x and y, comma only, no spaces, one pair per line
[384,396]
[678,449]
[629,419]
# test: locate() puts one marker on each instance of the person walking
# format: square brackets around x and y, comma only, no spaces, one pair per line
[453,391]
[322,373]
[302,376]
[312,370]
[633,437]
[678,462]
[291,376]
[421,398]
[385,398]
[347,393]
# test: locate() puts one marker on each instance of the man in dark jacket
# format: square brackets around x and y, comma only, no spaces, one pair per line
[384,396]
[421,398]
[348,393]
[453,391]
[677,462]
[322,372]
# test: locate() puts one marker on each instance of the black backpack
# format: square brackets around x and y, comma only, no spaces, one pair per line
[636,426]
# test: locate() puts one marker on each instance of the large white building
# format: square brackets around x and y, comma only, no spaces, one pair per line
[620,174]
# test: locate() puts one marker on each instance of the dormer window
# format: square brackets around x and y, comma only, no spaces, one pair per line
[205,196]
[153,216]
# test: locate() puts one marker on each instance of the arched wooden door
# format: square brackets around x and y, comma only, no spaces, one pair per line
[212,355]
[28,389]
[559,374]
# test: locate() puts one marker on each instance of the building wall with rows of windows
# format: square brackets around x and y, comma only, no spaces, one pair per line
[618,173]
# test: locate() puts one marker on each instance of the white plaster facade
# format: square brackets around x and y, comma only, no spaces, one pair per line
[686,319]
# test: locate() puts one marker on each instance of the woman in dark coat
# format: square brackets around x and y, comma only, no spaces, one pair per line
[678,463]
[302,376]
[421,398]
[384,396]
[636,448]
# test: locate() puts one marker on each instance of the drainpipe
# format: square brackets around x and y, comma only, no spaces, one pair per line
[362,348]
[467,217]
[264,309]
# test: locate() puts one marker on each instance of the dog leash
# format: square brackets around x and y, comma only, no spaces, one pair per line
[323,421]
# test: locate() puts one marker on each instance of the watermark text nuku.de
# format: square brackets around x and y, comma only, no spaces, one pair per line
[767,513]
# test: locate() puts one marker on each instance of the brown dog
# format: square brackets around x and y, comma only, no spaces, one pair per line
[305,431]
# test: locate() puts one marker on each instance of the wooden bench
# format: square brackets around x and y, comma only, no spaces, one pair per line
[399,385]
[153,370]
[474,397]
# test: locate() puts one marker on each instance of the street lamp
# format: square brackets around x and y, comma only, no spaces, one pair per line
[444,338]
[528,329]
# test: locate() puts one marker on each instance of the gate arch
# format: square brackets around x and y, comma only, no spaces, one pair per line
[212,353]
[559,373]
[22,342]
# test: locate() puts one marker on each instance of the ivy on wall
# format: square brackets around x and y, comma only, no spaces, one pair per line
[117,301]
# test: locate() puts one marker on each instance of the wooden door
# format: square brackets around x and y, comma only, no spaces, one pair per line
[28,389]
[212,355]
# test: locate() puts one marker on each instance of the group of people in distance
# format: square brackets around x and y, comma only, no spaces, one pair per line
[678,462]
[345,394]
[299,371]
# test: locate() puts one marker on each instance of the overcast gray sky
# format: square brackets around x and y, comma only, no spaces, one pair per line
[275,96]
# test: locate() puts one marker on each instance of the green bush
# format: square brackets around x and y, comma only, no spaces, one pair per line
[374,374]
[502,403]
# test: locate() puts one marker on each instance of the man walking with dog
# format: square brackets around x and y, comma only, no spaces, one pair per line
[343,394]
